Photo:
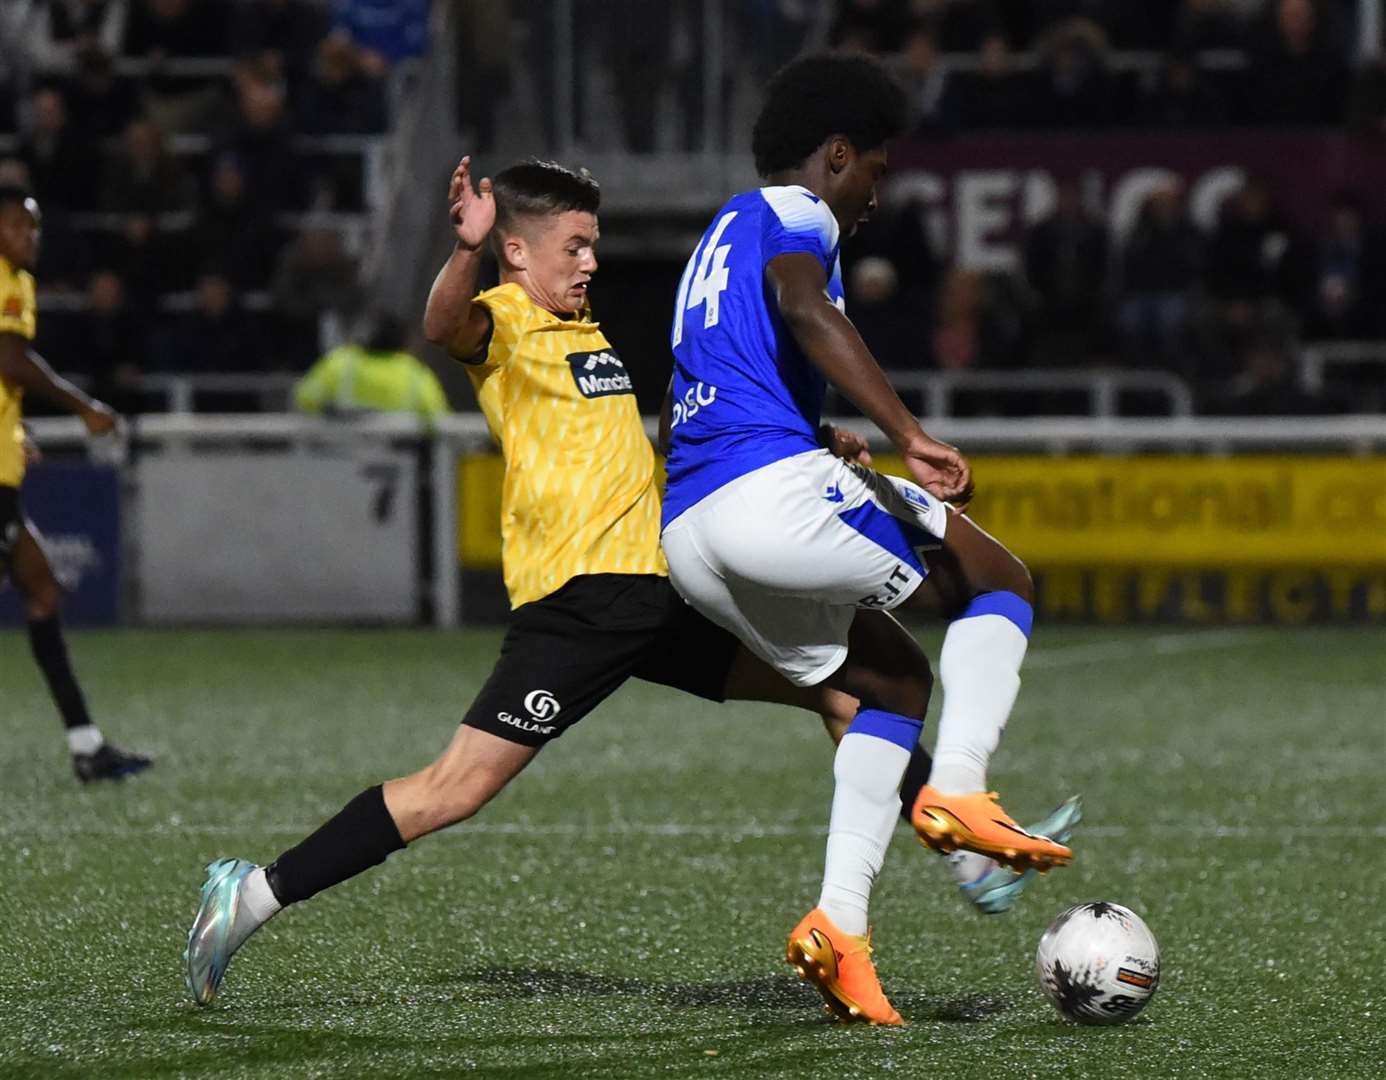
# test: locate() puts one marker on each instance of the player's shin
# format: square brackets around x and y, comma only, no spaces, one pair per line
[870,761]
[360,836]
[980,671]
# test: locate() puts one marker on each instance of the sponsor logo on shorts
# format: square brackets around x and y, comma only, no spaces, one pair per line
[600,374]
[541,706]
[888,593]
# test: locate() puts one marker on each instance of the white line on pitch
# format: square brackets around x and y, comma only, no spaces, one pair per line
[1132,648]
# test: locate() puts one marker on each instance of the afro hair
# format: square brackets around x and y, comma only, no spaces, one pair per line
[818,96]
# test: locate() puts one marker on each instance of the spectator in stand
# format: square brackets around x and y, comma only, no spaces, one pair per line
[57,32]
[61,166]
[1160,267]
[289,29]
[992,96]
[316,289]
[215,337]
[1073,87]
[1299,76]
[887,322]
[1183,97]
[160,29]
[975,324]
[341,97]
[375,376]
[963,25]
[111,346]
[64,257]
[142,177]
[387,31]
[101,105]
[260,139]
[1266,381]
[1066,264]
[144,258]
[1205,24]
[234,231]
[1347,278]
[923,73]
[1251,256]
[1367,104]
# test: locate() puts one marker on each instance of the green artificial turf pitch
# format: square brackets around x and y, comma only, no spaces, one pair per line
[621,910]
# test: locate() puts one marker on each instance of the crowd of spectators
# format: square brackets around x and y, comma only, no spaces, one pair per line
[1228,309]
[193,206]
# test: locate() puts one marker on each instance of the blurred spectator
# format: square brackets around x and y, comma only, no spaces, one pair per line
[977,322]
[316,281]
[377,375]
[234,231]
[216,336]
[1266,382]
[924,75]
[1073,87]
[1160,264]
[340,97]
[145,260]
[1347,278]
[1065,257]
[260,139]
[64,258]
[1183,97]
[388,31]
[112,347]
[482,40]
[58,31]
[636,42]
[896,234]
[993,96]
[141,176]
[1249,254]
[289,29]
[101,104]
[1298,74]
[62,167]
[887,322]
[158,29]
[963,25]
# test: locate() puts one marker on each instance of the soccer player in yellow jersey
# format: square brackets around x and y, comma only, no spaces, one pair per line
[580,529]
[21,557]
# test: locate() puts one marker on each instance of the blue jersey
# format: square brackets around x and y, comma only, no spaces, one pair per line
[744,393]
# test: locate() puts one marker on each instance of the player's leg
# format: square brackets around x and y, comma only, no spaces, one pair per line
[987,595]
[561,657]
[92,757]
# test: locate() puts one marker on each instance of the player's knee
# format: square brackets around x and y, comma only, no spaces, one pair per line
[43,601]
[905,694]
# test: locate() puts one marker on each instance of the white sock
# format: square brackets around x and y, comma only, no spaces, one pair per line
[980,671]
[968,867]
[86,739]
[866,806]
[255,907]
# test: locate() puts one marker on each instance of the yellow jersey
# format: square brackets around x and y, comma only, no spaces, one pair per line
[579,495]
[18,315]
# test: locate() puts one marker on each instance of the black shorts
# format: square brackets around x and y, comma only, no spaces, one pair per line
[11,525]
[567,653]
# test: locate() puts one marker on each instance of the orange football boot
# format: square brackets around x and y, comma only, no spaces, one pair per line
[976,822]
[840,968]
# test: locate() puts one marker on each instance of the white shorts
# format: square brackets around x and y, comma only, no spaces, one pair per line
[784,556]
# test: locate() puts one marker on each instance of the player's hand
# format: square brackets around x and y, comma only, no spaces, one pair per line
[472,211]
[845,444]
[940,469]
[99,419]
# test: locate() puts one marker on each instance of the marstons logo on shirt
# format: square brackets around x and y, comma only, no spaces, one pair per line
[600,374]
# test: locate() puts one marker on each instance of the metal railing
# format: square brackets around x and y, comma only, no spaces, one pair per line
[1315,360]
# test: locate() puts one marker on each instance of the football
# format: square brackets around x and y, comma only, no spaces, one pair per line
[1099,963]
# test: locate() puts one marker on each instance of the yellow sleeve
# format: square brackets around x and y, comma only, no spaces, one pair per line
[510,308]
[319,385]
[18,305]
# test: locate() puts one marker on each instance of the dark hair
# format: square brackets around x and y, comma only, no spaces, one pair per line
[540,188]
[826,94]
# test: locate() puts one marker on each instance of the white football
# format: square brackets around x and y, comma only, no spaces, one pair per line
[1099,963]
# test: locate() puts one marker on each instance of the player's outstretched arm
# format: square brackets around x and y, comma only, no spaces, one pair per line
[832,344]
[26,369]
[450,318]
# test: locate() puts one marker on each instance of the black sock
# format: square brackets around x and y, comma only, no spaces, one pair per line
[916,776]
[361,835]
[50,653]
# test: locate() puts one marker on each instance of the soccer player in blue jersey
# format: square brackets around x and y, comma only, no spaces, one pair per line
[782,541]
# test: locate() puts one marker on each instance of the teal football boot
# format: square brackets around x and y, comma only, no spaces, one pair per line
[998,889]
[210,947]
